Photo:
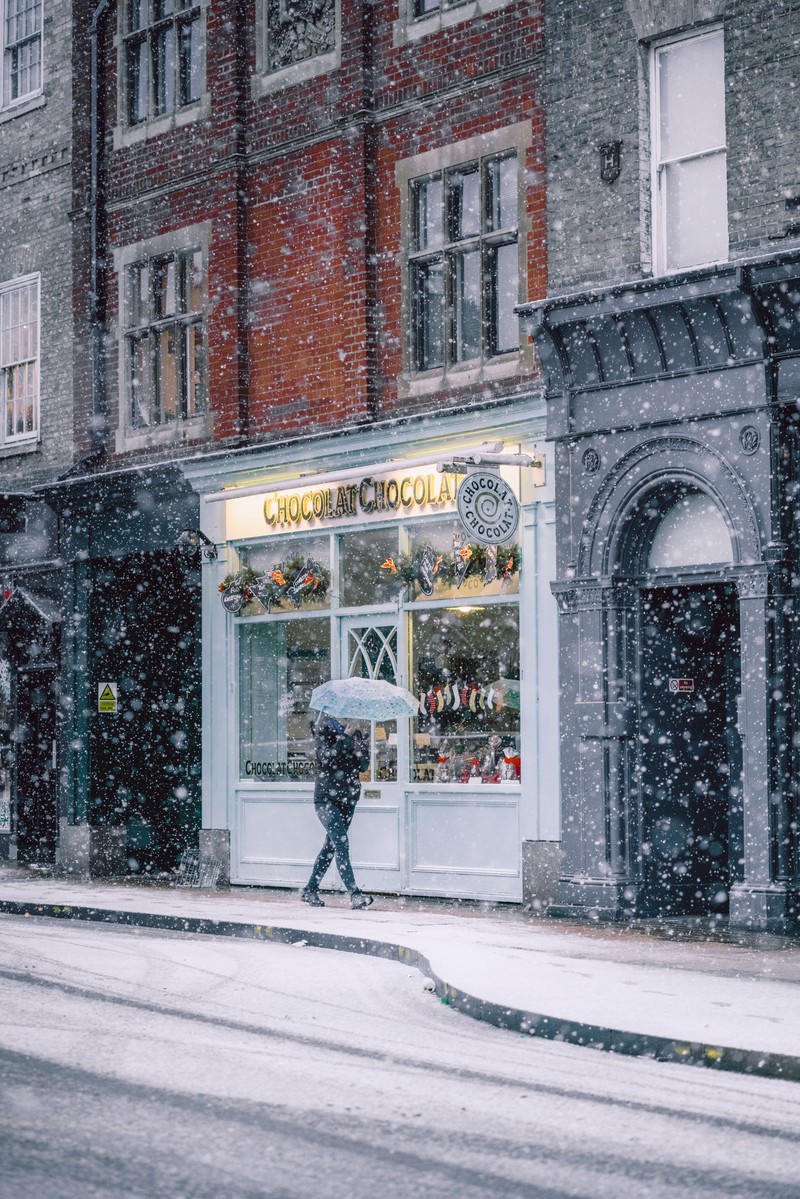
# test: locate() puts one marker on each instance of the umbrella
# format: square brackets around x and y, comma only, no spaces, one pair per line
[363,699]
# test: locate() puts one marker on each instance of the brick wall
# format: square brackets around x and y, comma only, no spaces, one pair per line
[305,321]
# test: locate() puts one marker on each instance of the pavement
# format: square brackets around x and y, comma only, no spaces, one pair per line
[693,992]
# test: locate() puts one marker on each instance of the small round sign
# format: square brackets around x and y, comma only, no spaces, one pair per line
[488,508]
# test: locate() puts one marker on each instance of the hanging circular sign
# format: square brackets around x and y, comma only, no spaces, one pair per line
[488,508]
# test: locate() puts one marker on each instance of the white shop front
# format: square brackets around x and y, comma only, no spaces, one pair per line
[333,572]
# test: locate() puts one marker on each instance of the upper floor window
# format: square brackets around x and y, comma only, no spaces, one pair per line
[464,263]
[22,49]
[165,338]
[19,360]
[163,58]
[690,160]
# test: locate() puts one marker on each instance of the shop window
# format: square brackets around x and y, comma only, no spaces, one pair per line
[462,569]
[280,664]
[465,671]
[19,361]
[22,50]
[361,557]
[689,152]
[163,57]
[464,263]
[165,338]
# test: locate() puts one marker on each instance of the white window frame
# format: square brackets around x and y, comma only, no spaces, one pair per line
[130,437]
[6,103]
[10,442]
[657,164]
[412,381]
[126,134]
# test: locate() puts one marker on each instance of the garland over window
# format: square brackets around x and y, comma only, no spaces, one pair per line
[298,580]
[426,566]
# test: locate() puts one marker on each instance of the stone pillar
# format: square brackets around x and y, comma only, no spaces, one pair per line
[73,852]
[757,900]
[595,750]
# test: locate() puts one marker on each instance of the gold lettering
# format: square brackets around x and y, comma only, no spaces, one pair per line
[269,516]
[431,494]
[406,498]
[419,489]
[282,510]
[392,494]
[319,504]
[380,495]
[341,502]
[444,490]
[366,503]
[306,505]
[294,508]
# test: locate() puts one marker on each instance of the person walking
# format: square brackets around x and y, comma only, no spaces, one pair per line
[342,753]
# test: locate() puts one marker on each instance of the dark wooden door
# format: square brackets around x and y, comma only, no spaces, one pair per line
[35,764]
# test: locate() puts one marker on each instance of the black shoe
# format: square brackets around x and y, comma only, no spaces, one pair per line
[359,900]
[312,898]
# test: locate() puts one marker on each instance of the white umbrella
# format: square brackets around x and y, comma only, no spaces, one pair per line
[363,699]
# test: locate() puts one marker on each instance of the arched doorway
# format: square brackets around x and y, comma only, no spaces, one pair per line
[689,750]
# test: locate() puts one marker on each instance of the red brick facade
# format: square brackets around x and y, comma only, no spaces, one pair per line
[305,317]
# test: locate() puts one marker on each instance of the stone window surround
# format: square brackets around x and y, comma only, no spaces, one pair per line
[196,427]
[661,33]
[264,82]
[408,28]
[129,135]
[34,99]
[513,137]
[26,442]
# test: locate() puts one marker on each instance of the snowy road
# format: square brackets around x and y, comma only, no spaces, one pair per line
[147,1064]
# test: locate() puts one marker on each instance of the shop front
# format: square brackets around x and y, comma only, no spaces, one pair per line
[375,575]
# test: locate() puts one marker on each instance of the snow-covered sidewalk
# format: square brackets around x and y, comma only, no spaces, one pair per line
[617,988]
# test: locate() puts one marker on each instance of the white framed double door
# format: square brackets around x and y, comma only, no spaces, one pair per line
[371,647]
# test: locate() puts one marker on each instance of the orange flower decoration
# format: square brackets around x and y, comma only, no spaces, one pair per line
[466,553]
[389,565]
[278,578]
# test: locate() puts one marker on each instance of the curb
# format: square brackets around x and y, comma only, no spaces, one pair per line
[535,1024]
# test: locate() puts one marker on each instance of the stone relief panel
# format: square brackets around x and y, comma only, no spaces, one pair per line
[298,30]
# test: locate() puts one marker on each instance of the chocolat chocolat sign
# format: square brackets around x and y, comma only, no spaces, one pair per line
[488,508]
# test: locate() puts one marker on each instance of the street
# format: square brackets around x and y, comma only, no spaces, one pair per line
[141,1064]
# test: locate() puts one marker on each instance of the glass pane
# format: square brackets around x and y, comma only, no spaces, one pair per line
[370,652]
[505,279]
[467,301]
[138,295]
[696,197]
[190,60]
[167,367]
[163,8]
[193,281]
[462,570]
[300,568]
[195,359]
[138,82]
[361,557]
[691,78]
[137,14]
[465,671]
[164,70]
[428,289]
[164,287]
[423,7]
[427,201]
[280,664]
[464,203]
[502,200]
[140,382]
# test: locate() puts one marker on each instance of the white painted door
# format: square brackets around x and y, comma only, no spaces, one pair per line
[369,649]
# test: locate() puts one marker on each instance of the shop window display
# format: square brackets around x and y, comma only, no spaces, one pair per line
[280,664]
[465,666]
[361,555]
[473,570]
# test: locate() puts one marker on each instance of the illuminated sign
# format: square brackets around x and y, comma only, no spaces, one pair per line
[367,497]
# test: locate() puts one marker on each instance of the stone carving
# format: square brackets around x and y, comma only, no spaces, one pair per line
[754,585]
[591,461]
[749,439]
[299,29]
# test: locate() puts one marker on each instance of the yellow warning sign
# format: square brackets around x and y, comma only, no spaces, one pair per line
[107,697]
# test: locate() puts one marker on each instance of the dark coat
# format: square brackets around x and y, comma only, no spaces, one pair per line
[340,759]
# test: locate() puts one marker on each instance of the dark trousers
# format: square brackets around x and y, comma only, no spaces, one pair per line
[336,822]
